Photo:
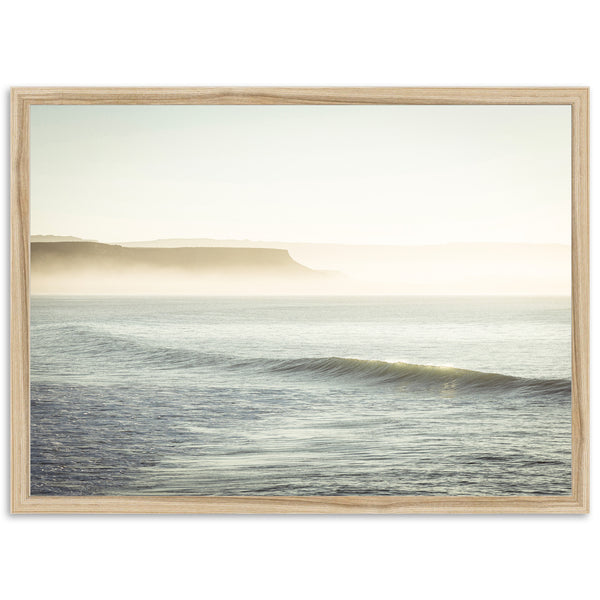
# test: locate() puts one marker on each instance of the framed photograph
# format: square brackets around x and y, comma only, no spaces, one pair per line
[300,300]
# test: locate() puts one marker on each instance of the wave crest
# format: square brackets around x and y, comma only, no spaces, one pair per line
[381,372]
[84,341]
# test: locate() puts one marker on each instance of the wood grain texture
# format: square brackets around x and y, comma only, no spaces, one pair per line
[580,301]
[21,499]
[19,300]
[304,95]
[300,504]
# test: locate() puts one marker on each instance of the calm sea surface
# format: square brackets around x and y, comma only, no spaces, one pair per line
[301,396]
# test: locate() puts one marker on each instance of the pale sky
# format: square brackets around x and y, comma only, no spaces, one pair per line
[344,174]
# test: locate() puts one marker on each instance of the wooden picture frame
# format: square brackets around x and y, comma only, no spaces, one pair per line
[22,99]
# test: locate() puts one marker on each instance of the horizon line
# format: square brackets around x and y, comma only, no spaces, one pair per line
[246,240]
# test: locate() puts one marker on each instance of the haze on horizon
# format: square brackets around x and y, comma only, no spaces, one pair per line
[403,176]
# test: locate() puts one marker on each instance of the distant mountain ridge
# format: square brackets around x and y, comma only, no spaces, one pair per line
[69,255]
[57,238]
[451,268]
[75,265]
[248,243]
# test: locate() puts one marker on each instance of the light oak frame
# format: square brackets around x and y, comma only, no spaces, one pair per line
[21,499]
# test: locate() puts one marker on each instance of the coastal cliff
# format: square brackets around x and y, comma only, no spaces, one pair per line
[91,267]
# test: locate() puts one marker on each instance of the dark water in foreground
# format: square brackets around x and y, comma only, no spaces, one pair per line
[301,396]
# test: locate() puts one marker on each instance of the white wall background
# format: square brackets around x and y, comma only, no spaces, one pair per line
[313,42]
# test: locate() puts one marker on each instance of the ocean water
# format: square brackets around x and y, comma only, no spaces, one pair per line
[300,396]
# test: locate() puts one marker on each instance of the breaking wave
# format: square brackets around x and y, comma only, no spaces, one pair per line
[382,373]
[131,352]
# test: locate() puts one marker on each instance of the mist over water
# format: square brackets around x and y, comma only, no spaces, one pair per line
[301,395]
[244,267]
